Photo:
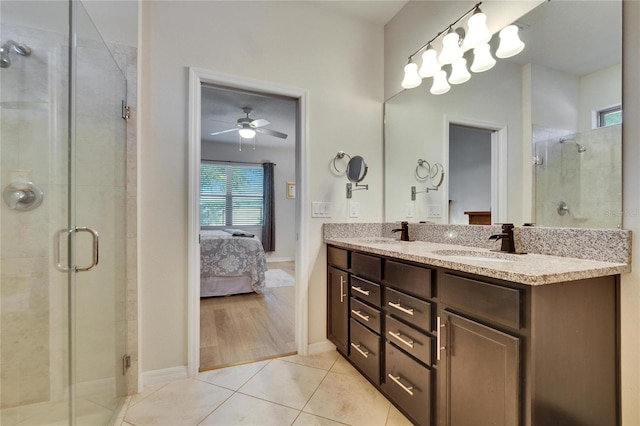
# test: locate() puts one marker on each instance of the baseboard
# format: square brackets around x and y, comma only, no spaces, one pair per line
[165,375]
[280,259]
[316,348]
[96,387]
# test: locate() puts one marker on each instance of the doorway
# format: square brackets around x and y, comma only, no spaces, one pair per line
[250,320]
[295,193]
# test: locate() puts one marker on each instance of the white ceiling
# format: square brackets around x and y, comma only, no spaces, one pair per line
[377,12]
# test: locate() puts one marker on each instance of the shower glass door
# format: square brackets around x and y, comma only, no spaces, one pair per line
[97,206]
[62,330]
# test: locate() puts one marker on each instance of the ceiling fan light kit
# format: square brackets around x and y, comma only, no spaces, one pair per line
[455,43]
[248,127]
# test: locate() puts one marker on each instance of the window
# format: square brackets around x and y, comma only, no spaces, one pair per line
[230,195]
[610,116]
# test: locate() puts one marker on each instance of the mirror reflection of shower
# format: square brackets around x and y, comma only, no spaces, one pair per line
[581,148]
[12,47]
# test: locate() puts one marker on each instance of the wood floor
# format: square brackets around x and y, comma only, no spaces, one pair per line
[247,327]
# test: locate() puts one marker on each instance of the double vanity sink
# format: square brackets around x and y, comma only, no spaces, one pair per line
[454,333]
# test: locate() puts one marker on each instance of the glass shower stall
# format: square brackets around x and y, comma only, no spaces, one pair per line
[62,218]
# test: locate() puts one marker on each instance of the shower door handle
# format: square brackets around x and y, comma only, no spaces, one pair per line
[94,236]
[95,248]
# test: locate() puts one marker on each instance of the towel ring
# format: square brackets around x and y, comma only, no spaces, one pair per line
[339,156]
[421,163]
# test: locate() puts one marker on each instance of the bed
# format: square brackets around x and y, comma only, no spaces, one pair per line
[230,264]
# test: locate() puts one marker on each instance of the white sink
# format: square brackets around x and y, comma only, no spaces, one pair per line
[484,256]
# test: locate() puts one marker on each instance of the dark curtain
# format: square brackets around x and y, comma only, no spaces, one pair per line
[269,226]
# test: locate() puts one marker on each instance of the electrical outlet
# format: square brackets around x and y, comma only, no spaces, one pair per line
[434,211]
[354,209]
[409,210]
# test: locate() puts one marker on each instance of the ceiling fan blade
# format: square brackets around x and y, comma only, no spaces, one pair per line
[260,122]
[222,131]
[272,133]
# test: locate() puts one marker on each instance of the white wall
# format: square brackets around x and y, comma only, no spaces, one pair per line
[470,172]
[555,97]
[301,44]
[284,171]
[598,90]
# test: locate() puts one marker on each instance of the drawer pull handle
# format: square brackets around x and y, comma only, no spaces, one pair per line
[364,353]
[402,339]
[342,294]
[359,314]
[401,308]
[396,379]
[360,290]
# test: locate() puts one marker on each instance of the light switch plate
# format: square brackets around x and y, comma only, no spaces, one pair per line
[320,209]
[435,210]
[354,209]
[409,212]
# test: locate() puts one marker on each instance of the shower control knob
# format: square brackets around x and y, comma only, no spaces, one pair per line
[22,196]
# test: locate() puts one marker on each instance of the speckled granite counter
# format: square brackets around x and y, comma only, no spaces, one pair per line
[531,269]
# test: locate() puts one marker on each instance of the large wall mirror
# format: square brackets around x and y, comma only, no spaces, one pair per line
[535,139]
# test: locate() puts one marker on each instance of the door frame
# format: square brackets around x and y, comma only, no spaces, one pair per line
[198,76]
[499,141]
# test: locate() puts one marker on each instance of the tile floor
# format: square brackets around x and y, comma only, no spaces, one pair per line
[321,389]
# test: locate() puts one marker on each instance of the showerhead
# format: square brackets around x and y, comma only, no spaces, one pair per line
[581,148]
[10,45]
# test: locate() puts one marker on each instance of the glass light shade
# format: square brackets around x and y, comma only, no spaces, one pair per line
[478,32]
[440,85]
[482,59]
[510,43]
[247,133]
[450,48]
[411,77]
[430,65]
[459,72]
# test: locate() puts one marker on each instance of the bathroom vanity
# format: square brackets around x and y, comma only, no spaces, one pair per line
[458,335]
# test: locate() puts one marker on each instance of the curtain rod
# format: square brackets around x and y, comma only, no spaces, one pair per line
[238,162]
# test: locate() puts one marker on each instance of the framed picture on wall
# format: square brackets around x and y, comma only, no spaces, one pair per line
[291,190]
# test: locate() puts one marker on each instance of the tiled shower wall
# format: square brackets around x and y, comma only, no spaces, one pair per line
[589,182]
[33,293]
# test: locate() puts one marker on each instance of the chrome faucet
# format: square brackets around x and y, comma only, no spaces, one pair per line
[404,231]
[508,244]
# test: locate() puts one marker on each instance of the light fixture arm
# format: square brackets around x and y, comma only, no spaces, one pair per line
[449,27]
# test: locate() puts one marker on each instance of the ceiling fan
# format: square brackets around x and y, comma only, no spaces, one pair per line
[247,127]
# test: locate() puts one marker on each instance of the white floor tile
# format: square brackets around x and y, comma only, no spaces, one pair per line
[284,383]
[324,360]
[306,419]
[183,402]
[246,410]
[232,377]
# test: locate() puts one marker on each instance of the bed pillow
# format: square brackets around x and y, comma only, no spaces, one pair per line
[239,233]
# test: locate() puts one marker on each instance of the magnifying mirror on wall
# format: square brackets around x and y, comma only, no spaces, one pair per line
[356,169]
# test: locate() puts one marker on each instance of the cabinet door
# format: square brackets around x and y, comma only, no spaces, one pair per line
[479,375]
[338,308]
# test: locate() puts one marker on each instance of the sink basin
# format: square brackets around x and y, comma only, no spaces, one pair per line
[485,256]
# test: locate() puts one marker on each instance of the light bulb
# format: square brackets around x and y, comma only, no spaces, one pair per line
[440,84]
[450,48]
[478,32]
[411,77]
[510,43]
[430,64]
[459,72]
[247,133]
[482,59]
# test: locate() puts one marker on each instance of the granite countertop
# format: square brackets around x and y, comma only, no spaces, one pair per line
[531,269]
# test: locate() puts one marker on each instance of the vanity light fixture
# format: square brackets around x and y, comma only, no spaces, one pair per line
[455,42]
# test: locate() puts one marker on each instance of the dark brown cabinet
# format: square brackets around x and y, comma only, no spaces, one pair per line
[338,308]
[450,348]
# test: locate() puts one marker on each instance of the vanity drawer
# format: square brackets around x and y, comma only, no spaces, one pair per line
[365,351]
[408,383]
[366,315]
[409,339]
[366,290]
[409,278]
[338,257]
[366,266]
[411,309]
[492,302]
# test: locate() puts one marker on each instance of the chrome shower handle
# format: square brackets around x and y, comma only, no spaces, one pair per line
[22,196]
[95,245]
[94,236]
